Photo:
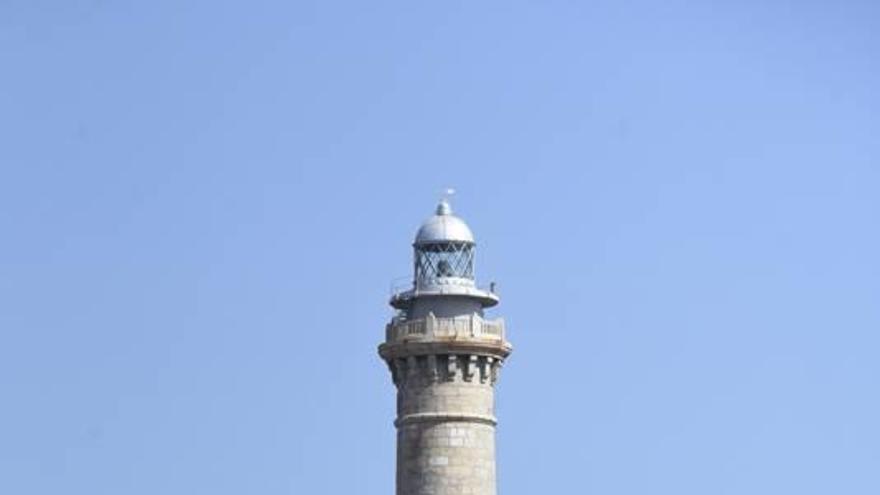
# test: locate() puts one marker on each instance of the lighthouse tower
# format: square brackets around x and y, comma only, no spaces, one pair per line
[445,357]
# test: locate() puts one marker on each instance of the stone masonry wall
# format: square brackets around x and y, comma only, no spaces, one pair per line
[446,458]
[446,424]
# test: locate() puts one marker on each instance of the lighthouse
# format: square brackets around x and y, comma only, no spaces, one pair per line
[445,356]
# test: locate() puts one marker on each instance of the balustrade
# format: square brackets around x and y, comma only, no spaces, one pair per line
[429,328]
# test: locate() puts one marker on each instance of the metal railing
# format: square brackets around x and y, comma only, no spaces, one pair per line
[401,285]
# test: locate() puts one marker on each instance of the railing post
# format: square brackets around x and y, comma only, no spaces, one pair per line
[430,324]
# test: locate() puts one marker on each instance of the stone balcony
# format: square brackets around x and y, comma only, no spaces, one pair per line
[432,329]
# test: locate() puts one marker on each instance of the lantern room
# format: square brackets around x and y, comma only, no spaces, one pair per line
[443,270]
[443,249]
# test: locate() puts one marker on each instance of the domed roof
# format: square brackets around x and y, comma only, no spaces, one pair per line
[444,227]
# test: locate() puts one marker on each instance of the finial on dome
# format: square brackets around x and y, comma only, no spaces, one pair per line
[444,208]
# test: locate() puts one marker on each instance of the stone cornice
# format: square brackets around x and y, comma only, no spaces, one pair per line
[440,417]
[395,350]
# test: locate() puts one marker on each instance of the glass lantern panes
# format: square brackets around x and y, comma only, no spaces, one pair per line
[447,259]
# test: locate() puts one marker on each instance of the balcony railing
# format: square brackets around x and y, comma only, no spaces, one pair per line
[432,328]
[403,285]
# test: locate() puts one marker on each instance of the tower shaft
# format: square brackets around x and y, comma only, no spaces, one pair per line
[445,370]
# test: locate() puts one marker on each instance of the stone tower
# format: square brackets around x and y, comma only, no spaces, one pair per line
[444,358]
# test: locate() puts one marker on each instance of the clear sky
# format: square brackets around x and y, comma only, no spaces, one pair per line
[203,204]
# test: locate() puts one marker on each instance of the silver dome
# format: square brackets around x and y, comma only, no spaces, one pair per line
[444,227]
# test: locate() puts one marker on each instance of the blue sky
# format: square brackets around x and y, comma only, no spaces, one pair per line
[203,205]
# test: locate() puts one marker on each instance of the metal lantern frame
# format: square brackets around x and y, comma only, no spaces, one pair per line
[443,259]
